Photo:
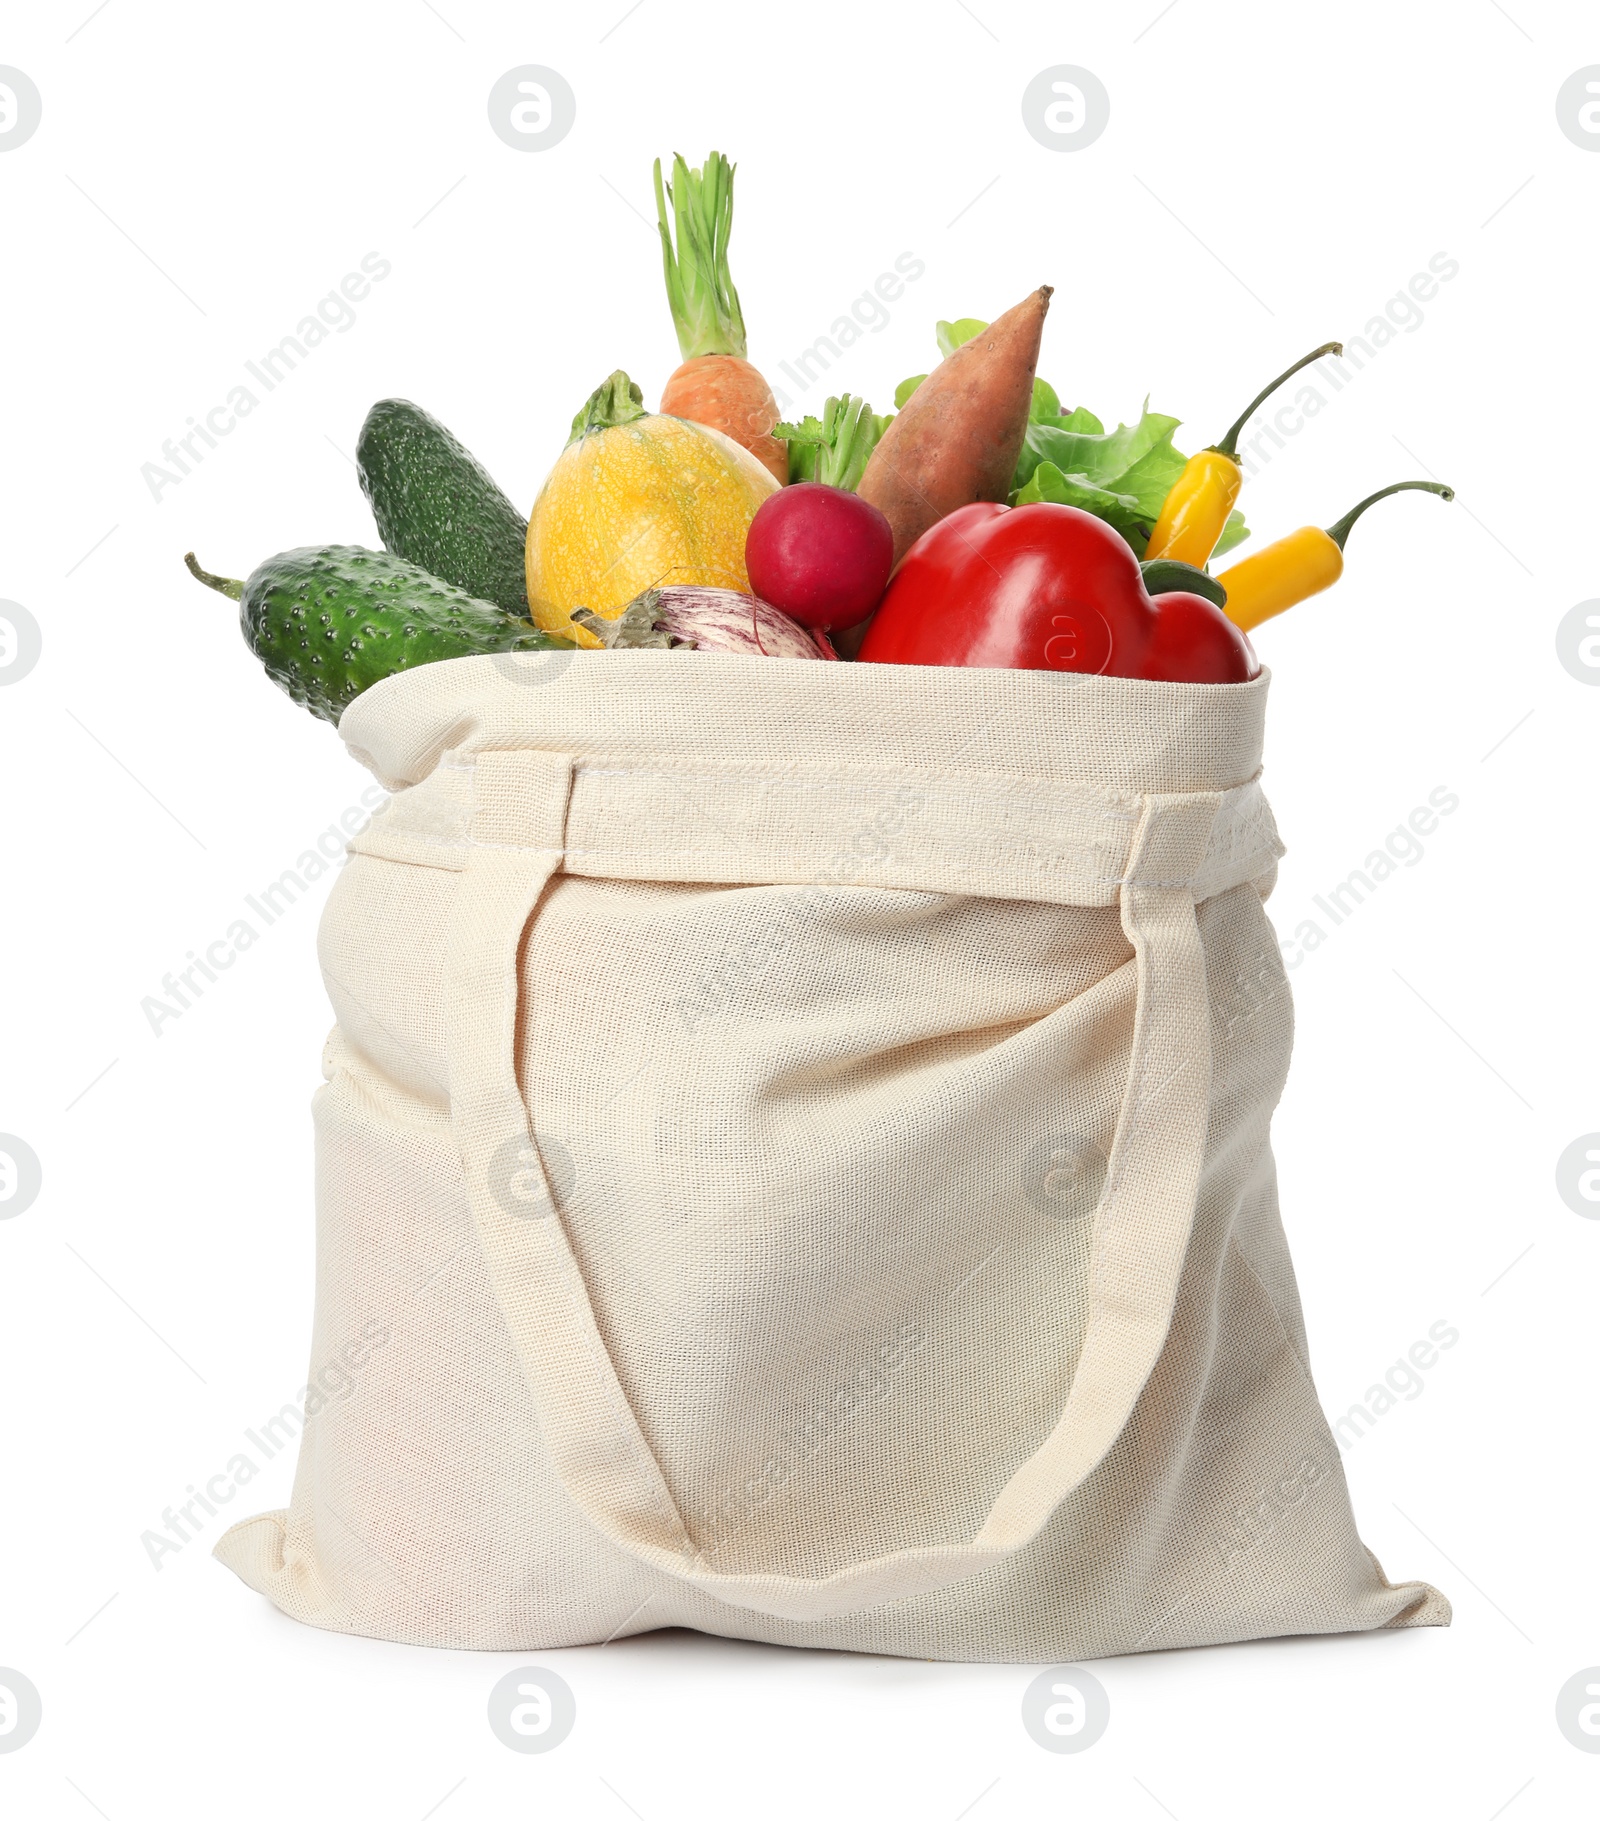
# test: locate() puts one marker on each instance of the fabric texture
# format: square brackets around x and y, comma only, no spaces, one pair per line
[794,1162]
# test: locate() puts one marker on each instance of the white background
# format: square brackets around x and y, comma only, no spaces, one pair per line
[1271,176]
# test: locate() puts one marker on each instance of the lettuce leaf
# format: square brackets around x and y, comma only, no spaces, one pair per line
[1046,407]
[1107,458]
[1235,531]
[1150,478]
[1069,457]
[951,335]
[1133,466]
[1047,482]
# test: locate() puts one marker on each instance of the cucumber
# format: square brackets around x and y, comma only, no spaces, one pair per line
[436,506]
[1167,576]
[330,621]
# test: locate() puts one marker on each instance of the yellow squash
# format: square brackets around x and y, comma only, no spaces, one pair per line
[638,501]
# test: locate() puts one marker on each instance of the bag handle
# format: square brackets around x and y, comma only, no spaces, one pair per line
[1141,1230]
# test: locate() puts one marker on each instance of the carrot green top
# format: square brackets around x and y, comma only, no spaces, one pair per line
[705,305]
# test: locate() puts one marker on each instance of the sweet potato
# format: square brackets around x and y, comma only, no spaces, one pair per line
[959,435]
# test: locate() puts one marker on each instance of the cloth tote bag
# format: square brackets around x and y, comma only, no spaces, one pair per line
[794,1163]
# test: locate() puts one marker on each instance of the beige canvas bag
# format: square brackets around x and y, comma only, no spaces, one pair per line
[794,1163]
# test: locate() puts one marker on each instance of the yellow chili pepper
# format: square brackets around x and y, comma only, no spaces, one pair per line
[1301,564]
[1200,499]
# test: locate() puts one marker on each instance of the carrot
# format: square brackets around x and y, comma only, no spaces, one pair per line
[958,437]
[716,385]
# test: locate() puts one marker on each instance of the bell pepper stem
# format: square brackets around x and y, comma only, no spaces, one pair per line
[223,585]
[1229,445]
[1340,530]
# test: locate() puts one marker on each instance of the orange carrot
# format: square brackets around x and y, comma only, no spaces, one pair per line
[959,434]
[716,385]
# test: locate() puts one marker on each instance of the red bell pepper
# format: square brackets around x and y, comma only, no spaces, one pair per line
[1046,587]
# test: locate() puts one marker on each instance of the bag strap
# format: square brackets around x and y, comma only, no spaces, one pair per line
[1141,1227]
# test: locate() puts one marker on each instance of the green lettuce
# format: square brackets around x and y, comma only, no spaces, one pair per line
[1235,531]
[1046,407]
[951,335]
[1134,465]
[1144,448]
[1069,457]
[1047,482]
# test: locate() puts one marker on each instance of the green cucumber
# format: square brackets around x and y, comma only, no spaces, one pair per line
[330,621]
[436,505]
[1165,576]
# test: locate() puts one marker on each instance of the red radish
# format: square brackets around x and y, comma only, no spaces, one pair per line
[820,554]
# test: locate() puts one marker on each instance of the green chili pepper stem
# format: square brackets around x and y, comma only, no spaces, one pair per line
[223,584]
[1341,529]
[1229,445]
